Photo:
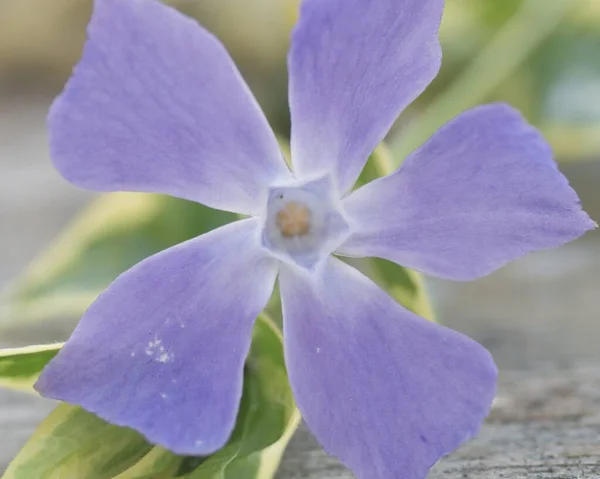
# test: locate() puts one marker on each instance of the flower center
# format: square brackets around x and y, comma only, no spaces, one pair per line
[303,222]
[293,220]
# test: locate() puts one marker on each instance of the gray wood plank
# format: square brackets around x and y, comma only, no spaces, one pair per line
[544,424]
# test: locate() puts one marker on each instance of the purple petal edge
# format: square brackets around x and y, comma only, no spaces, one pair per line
[482,192]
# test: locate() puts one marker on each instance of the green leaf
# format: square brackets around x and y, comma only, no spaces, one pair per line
[404,284]
[109,237]
[74,443]
[20,367]
[158,463]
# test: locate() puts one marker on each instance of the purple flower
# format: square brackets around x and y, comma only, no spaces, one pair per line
[157,105]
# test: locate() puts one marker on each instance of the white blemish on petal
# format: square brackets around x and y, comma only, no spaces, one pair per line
[318,350]
[157,351]
[164,357]
[133,354]
[153,346]
[163,395]
[199,442]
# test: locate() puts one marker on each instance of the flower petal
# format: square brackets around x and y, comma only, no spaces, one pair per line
[162,350]
[354,66]
[481,192]
[157,105]
[386,391]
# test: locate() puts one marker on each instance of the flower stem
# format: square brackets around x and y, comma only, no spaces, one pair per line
[511,46]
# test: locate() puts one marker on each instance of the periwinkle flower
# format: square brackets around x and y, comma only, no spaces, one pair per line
[156,105]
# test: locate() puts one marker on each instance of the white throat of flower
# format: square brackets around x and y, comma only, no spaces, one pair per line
[304,222]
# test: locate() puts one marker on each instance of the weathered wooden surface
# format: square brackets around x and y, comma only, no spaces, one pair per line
[539,318]
[543,425]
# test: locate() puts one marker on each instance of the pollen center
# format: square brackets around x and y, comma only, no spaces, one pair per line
[293,220]
[303,222]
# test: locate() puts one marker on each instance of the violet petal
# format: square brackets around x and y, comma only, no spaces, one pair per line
[382,389]
[354,66]
[157,105]
[481,192]
[162,350]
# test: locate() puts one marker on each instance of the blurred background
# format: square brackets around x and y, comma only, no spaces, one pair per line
[542,56]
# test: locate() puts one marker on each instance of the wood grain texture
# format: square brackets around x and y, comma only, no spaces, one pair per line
[544,424]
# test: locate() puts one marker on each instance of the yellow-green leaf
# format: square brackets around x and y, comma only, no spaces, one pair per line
[110,236]
[72,443]
[20,367]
